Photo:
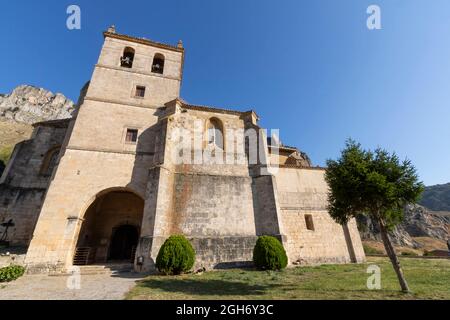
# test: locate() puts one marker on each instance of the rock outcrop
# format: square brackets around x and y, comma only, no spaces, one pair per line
[418,222]
[28,104]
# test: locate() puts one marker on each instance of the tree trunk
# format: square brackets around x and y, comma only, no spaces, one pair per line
[393,256]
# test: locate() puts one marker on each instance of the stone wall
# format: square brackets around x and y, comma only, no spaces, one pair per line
[266,206]
[303,192]
[223,252]
[23,184]
[8,259]
[212,204]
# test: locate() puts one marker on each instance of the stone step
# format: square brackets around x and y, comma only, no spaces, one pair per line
[100,269]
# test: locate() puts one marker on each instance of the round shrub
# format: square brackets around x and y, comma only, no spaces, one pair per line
[11,273]
[175,256]
[269,254]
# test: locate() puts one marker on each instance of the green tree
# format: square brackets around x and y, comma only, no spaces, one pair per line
[376,184]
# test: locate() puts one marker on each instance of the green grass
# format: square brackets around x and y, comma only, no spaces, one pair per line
[428,279]
[370,250]
[5,153]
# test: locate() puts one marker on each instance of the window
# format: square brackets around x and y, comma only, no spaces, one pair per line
[215,133]
[131,136]
[49,162]
[158,64]
[127,58]
[309,222]
[140,92]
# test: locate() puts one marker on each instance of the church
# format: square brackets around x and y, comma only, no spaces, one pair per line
[136,164]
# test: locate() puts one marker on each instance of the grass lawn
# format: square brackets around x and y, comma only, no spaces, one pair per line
[428,279]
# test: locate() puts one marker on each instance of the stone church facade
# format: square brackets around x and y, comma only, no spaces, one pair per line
[106,186]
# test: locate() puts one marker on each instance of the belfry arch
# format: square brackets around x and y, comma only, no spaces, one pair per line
[110,229]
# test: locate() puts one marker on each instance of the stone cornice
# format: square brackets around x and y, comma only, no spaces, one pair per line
[293,166]
[131,70]
[185,105]
[112,101]
[143,41]
[138,153]
[304,208]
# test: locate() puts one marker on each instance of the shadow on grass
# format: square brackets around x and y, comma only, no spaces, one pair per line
[205,287]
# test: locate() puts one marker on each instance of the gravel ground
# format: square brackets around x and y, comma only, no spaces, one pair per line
[92,287]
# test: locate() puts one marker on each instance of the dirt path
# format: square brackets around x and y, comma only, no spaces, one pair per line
[92,287]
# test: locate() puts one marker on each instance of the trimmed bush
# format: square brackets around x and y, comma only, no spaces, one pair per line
[175,256]
[269,254]
[11,273]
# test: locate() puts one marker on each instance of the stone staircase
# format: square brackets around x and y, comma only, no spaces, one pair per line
[107,269]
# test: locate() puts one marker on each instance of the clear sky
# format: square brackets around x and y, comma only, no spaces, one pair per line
[310,68]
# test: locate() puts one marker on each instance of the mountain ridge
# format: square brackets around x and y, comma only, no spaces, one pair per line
[436,197]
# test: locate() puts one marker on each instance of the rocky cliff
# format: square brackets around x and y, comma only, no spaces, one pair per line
[25,106]
[418,222]
[28,104]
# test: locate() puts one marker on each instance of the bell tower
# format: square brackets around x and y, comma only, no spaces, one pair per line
[131,80]
[137,71]
[110,144]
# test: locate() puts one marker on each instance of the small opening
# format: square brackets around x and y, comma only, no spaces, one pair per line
[309,222]
[140,91]
[126,60]
[215,133]
[131,135]
[158,64]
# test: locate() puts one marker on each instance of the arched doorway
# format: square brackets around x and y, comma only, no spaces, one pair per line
[123,243]
[110,230]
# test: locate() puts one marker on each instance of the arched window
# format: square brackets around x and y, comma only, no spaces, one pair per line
[49,161]
[215,133]
[158,64]
[127,58]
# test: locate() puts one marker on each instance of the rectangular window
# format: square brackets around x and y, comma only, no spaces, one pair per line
[132,135]
[140,92]
[309,222]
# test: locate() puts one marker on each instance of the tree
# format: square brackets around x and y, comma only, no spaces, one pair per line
[376,184]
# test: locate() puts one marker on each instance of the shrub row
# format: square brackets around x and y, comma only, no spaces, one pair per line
[177,255]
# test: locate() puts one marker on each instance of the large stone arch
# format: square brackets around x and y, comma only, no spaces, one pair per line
[102,215]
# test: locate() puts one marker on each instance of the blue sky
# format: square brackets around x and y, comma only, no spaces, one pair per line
[310,68]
